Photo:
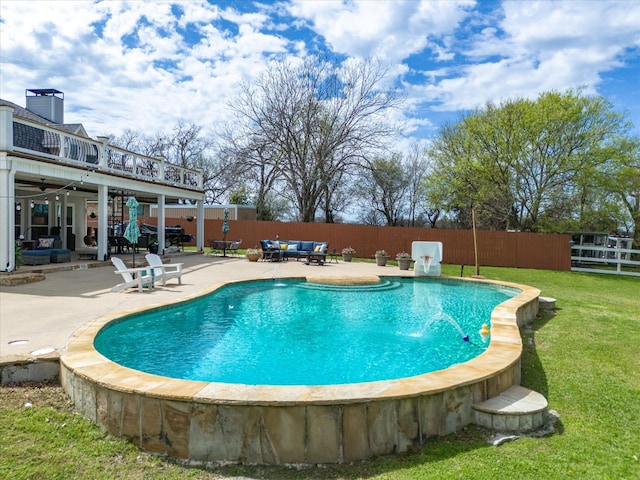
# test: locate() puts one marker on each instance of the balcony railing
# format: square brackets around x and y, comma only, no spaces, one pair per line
[33,138]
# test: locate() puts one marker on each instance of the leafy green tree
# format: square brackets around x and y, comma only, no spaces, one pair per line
[621,177]
[520,163]
[239,196]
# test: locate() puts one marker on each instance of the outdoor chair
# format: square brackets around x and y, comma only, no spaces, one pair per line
[233,248]
[164,270]
[133,277]
[271,251]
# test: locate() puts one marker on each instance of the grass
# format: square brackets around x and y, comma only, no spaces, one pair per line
[584,359]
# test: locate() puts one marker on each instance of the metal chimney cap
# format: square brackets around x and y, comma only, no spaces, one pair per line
[42,92]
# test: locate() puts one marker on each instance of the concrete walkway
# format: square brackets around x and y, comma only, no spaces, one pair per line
[36,319]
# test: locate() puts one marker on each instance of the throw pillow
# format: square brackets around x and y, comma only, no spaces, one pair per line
[283,246]
[45,242]
[317,249]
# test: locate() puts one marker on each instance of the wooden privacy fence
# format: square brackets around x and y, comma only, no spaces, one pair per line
[499,249]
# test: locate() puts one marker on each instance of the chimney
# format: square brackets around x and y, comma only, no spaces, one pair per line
[47,103]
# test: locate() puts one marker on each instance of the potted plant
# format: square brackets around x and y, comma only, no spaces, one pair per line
[404,260]
[253,254]
[18,255]
[381,258]
[347,254]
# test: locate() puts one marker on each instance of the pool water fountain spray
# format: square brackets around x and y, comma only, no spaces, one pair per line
[448,318]
[438,316]
[276,269]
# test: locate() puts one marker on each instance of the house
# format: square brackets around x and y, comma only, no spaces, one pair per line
[50,171]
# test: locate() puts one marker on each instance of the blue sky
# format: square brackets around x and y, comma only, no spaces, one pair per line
[145,65]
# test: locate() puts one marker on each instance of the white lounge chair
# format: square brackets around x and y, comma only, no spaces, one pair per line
[164,270]
[427,256]
[133,277]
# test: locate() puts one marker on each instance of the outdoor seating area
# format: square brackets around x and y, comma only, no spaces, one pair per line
[309,251]
[48,250]
[146,276]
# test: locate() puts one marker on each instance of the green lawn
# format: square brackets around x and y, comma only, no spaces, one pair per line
[585,360]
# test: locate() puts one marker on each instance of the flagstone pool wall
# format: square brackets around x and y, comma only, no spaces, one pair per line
[216,423]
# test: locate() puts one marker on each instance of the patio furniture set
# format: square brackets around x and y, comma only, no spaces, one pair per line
[278,250]
[48,250]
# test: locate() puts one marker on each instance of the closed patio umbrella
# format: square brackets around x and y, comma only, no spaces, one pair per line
[225,230]
[132,233]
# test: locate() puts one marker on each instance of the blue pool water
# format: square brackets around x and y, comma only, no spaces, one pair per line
[290,332]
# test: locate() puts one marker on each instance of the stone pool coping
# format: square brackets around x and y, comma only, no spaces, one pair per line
[81,359]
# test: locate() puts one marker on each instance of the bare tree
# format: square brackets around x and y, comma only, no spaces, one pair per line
[418,168]
[385,186]
[256,162]
[187,147]
[315,120]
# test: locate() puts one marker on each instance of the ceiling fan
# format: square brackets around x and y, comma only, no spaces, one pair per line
[42,186]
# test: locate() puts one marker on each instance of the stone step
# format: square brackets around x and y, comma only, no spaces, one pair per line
[517,409]
[547,303]
[20,278]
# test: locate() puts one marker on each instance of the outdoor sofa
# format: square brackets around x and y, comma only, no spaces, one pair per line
[49,250]
[284,250]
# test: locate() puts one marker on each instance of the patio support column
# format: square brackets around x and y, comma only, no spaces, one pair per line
[54,205]
[103,226]
[161,225]
[64,236]
[7,193]
[200,226]
[7,215]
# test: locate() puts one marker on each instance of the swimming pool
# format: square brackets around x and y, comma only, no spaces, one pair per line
[293,332]
[215,422]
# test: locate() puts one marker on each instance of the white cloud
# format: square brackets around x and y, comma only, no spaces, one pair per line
[387,29]
[144,64]
[539,46]
[140,73]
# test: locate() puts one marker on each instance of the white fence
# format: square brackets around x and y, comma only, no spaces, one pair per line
[605,260]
